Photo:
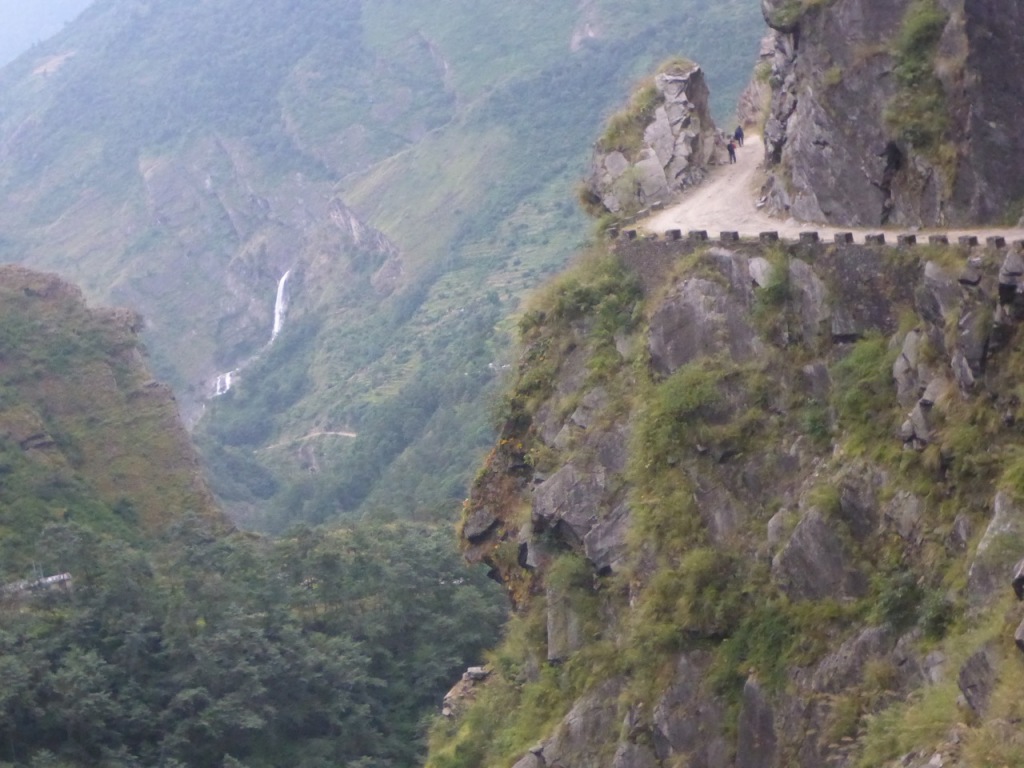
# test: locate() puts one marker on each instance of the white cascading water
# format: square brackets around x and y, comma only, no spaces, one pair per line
[280,305]
[223,383]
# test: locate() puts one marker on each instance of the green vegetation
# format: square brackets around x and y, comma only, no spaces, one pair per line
[625,130]
[697,579]
[177,642]
[85,434]
[598,292]
[863,396]
[319,649]
[788,14]
[919,112]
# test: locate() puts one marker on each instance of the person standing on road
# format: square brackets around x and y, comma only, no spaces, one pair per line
[738,135]
[731,146]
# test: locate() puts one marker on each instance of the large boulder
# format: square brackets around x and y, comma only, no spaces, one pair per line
[587,730]
[977,679]
[755,738]
[564,625]
[997,551]
[634,756]
[606,544]
[677,144]
[569,502]
[704,317]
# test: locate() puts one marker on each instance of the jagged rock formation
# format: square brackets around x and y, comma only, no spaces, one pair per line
[779,562]
[903,112]
[661,144]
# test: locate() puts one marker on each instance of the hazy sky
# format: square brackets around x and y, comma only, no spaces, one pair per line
[24,22]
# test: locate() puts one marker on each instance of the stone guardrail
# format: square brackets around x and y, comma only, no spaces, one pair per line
[811,237]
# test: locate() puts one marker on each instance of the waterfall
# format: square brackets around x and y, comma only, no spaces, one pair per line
[280,305]
[223,384]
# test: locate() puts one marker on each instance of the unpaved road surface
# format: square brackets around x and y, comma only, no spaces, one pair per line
[727,200]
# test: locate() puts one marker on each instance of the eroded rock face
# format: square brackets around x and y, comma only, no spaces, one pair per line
[976,680]
[687,722]
[606,544]
[569,501]
[704,317]
[833,88]
[677,146]
[582,734]
[755,100]
[634,756]
[815,564]
[564,626]
[756,742]
[997,551]
[797,509]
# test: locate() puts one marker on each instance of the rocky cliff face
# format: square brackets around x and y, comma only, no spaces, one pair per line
[661,144]
[896,112]
[758,507]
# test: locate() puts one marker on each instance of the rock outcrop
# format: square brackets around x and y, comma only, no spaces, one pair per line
[711,515]
[662,144]
[903,112]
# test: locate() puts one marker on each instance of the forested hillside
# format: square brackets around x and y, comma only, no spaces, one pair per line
[412,168]
[136,628]
[206,650]
[86,433]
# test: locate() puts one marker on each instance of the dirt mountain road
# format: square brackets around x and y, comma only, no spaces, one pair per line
[727,200]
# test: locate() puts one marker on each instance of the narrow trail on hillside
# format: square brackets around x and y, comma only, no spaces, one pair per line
[310,436]
[727,201]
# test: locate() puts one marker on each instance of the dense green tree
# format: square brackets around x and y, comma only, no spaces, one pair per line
[321,649]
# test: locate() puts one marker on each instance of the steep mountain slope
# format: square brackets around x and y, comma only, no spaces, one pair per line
[86,433]
[180,158]
[757,506]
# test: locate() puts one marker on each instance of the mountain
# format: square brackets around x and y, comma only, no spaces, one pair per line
[138,628]
[757,503]
[411,170]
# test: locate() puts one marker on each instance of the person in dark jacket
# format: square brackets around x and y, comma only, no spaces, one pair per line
[738,135]
[731,146]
